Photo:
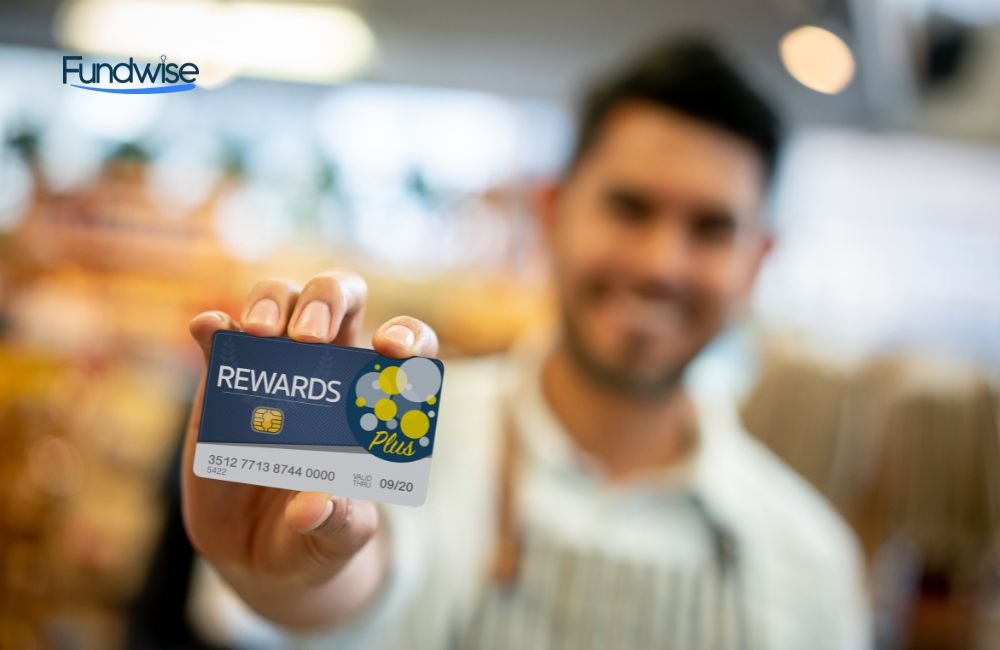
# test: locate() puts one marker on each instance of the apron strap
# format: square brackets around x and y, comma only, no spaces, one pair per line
[508,550]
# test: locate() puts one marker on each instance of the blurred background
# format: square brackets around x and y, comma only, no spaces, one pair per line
[404,140]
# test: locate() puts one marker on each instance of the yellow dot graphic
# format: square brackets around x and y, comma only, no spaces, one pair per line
[377,366]
[360,401]
[385,409]
[414,424]
[390,379]
[431,400]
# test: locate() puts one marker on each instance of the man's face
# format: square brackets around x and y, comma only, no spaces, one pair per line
[655,238]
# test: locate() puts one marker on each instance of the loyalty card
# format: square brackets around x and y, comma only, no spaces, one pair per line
[316,417]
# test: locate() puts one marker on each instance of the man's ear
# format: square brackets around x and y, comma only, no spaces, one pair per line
[764,247]
[546,203]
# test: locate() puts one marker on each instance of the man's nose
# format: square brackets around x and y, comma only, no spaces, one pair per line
[664,252]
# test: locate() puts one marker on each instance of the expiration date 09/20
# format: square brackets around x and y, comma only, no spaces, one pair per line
[221,464]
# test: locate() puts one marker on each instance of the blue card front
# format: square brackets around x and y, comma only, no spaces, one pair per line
[308,416]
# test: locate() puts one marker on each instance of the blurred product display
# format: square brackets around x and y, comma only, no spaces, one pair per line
[82,455]
[908,450]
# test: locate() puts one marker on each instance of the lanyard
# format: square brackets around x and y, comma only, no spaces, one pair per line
[508,551]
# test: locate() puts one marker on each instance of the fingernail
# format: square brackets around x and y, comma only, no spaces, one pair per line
[314,320]
[400,334]
[322,518]
[264,312]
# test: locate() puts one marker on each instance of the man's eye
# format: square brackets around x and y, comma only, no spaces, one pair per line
[629,206]
[714,228]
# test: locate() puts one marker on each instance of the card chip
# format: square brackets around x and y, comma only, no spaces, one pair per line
[267,420]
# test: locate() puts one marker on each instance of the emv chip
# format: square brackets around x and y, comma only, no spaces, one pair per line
[267,420]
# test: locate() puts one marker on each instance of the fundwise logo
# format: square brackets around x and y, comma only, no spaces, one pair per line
[102,76]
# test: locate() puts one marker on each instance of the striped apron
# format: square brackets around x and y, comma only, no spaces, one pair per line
[546,593]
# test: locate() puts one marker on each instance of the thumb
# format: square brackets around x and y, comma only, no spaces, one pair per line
[342,525]
[207,323]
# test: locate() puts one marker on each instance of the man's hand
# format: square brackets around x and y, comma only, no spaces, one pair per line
[302,559]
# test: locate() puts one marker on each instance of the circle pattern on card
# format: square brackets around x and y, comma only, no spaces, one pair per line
[392,407]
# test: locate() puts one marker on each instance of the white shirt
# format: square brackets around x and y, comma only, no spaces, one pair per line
[800,582]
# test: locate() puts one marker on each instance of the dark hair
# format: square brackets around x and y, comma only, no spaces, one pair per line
[692,77]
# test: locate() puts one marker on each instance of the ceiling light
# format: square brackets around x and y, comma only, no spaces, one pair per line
[818,59]
[286,40]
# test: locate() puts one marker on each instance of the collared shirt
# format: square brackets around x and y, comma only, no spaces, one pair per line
[610,564]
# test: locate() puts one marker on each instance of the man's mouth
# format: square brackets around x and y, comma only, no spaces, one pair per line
[643,315]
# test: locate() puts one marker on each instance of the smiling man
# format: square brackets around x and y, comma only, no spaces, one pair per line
[583,493]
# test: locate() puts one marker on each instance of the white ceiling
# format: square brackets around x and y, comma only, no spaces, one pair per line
[547,48]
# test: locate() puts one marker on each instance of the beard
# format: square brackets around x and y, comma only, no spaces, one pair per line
[621,375]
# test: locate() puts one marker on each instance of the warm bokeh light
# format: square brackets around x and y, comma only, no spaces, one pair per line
[818,59]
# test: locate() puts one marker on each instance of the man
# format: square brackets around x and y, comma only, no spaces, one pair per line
[583,494]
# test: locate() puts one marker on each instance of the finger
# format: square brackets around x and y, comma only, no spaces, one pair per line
[405,336]
[308,510]
[268,306]
[330,309]
[342,523]
[207,323]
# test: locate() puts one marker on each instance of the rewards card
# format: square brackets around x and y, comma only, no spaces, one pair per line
[318,417]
